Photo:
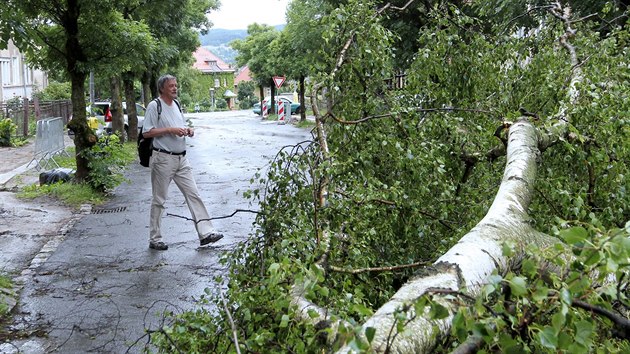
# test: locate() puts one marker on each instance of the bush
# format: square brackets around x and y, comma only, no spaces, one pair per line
[7,129]
[107,160]
[55,91]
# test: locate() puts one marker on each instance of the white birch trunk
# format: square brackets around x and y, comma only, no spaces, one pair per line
[467,265]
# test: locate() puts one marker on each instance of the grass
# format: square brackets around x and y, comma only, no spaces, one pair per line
[72,194]
[5,283]
[75,194]
[305,123]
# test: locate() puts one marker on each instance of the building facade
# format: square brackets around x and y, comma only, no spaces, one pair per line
[217,77]
[17,77]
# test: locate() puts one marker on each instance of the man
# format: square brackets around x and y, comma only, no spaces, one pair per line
[165,123]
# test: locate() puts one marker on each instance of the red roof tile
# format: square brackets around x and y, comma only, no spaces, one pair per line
[243,75]
[207,62]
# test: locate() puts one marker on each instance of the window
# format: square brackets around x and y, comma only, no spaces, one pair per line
[28,76]
[5,72]
[224,82]
[217,83]
[16,68]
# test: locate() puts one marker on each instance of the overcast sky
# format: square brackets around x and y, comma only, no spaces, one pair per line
[238,14]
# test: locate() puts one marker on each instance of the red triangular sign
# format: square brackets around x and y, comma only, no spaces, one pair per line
[279,80]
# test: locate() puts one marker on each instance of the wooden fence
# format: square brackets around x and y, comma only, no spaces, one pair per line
[25,113]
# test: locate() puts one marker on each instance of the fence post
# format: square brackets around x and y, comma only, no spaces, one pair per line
[37,108]
[25,122]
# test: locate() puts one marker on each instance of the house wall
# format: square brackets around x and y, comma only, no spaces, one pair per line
[226,82]
[16,77]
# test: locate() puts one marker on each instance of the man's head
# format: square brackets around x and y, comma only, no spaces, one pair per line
[167,86]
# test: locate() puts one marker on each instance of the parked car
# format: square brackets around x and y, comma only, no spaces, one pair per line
[101,111]
[295,107]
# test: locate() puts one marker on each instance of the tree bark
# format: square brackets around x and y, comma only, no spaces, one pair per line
[84,138]
[130,101]
[147,95]
[301,90]
[115,108]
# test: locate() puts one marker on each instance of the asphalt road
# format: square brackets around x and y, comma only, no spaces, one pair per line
[100,288]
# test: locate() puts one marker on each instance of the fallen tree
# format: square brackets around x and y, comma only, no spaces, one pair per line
[395,180]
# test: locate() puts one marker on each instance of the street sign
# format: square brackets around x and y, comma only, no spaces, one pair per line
[279,80]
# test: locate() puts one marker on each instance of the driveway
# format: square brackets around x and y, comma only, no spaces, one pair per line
[99,288]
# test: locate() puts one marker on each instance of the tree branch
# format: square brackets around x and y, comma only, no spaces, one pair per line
[622,324]
[376,269]
[232,325]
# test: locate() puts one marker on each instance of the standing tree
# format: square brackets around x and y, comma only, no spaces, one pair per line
[301,41]
[77,36]
[256,52]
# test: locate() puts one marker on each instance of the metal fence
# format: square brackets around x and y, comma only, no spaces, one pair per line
[26,113]
[49,142]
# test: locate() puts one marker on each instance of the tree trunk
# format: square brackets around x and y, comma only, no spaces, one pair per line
[272,103]
[301,97]
[130,101]
[116,109]
[147,95]
[153,86]
[84,137]
[261,92]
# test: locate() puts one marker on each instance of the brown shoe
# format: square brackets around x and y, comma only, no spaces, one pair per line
[210,238]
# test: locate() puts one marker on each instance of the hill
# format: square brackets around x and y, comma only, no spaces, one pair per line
[217,40]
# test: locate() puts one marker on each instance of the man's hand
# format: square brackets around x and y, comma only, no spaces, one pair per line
[183,131]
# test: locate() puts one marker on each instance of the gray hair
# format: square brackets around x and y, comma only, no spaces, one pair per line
[163,80]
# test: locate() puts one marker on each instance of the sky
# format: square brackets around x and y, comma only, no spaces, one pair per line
[238,14]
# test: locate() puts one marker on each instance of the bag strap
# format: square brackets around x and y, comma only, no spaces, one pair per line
[159,106]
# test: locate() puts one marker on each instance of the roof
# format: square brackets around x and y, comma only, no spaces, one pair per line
[243,75]
[208,63]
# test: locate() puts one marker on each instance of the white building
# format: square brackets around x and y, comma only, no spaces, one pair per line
[18,79]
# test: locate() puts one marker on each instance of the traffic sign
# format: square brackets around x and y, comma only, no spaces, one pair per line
[279,80]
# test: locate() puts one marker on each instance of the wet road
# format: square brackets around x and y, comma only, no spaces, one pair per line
[101,289]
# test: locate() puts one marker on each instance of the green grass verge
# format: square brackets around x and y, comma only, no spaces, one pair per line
[5,283]
[75,194]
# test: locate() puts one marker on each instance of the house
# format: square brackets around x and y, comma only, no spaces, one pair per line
[17,77]
[217,76]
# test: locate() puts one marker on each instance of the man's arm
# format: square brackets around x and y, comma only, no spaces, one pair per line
[165,131]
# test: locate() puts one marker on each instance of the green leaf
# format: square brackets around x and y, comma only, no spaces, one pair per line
[438,311]
[583,332]
[285,321]
[518,285]
[574,235]
[369,333]
[273,268]
[548,338]
[558,320]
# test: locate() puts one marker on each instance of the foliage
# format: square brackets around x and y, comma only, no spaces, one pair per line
[111,159]
[7,130]
[255,51]
[6,285]
[539,307]
[407,172]
[107,160]
[55,91]
[246,96]
[220,103]
[72,194]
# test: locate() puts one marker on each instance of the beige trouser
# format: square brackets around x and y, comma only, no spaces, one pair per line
[164,169]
